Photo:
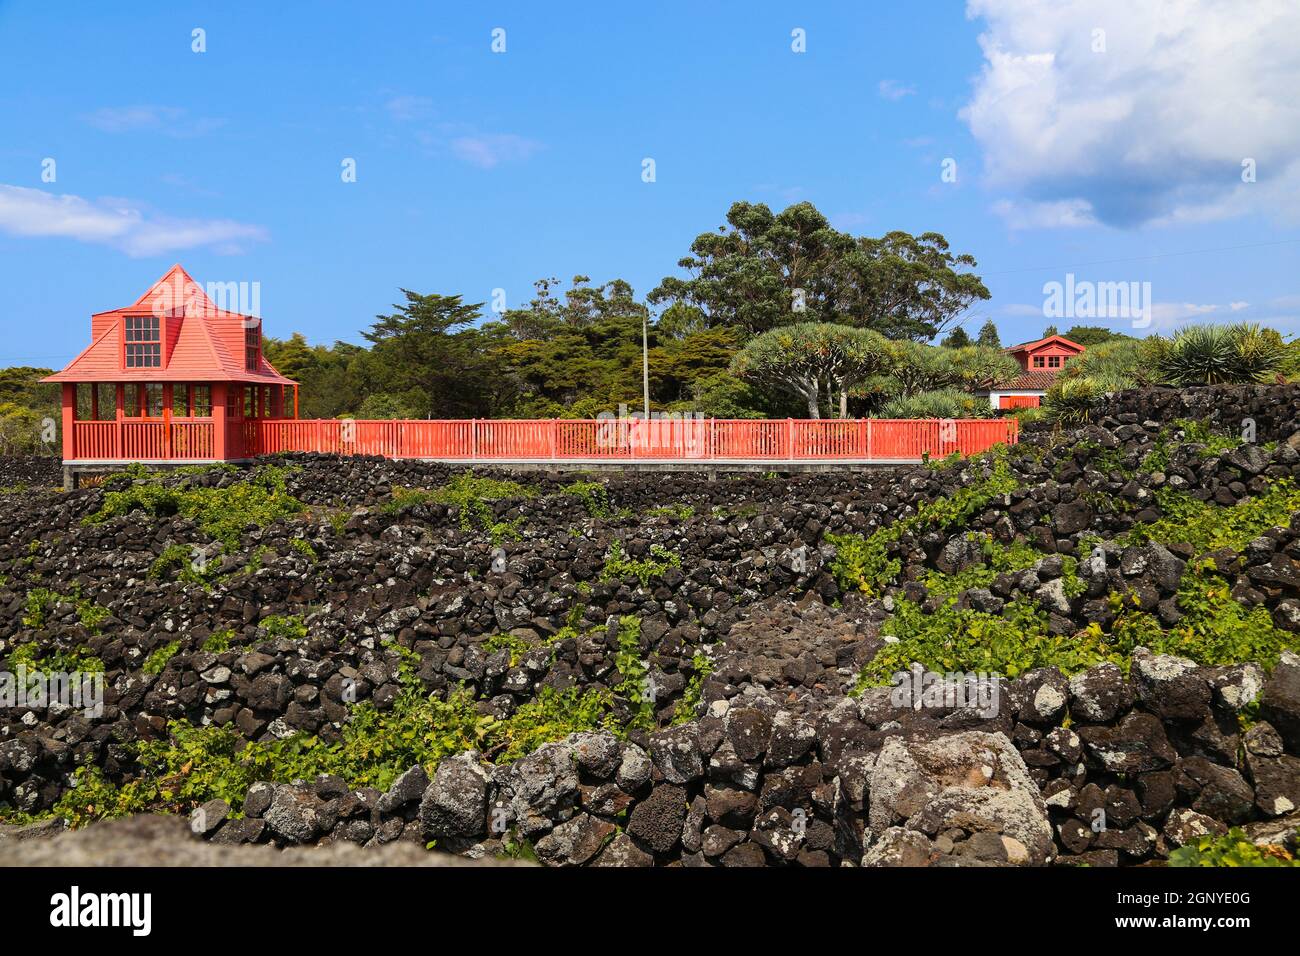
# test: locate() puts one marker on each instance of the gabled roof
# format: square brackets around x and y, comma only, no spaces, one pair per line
[202,342]
[1039,343]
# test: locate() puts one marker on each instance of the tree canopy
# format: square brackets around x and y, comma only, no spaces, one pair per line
[762,271]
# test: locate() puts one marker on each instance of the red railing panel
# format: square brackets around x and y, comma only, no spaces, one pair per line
[684,438]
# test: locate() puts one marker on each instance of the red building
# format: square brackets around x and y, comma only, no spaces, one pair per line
[1040,361]
[170,377]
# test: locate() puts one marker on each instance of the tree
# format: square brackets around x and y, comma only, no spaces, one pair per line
[914,368]
[428,355]
[957,339]
[911,286]
[762,271]
[1050,331]
[988,336]
[813,359]
[1088,335]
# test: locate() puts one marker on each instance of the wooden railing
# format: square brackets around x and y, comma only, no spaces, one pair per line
[568,440]
[708,439]
[142,441]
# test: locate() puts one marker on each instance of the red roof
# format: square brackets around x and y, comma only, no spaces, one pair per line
[1027,381]
[1039,343]
[200,342]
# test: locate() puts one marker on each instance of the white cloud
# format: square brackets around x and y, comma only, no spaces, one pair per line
[488,151]
[1061,213]
[116,222]
[1155,128]
[406,108]
[1166,315]
[1238,306]
[894,90]
[170,120]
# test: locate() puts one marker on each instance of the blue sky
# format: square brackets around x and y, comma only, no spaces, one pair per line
[479,170]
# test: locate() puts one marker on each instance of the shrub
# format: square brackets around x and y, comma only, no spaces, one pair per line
[1243,353]
[1233,848]
[468,492]
[863,564]
[188,564]
[955,639]
[1207,527]
[943,403]
[618,565]
[701,668]
[221,513]
[288,626]
[633,687]
[1070,401]
[1112,366]
[219,641]
[157,661]
[593,495]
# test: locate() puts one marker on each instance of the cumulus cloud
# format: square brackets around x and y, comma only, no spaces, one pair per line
[488,151]
[116,222]
[1128,112]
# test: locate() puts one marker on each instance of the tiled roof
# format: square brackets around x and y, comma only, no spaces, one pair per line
[1035,381]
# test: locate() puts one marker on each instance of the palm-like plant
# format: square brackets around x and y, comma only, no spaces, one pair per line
[1113,366]
[940,403]
[1070,400]
[1221,355]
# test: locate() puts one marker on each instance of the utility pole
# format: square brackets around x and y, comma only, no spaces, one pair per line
[645,367]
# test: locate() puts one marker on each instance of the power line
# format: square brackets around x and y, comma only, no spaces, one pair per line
[1160,255]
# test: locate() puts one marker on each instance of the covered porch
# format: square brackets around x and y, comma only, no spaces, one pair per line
[167,422]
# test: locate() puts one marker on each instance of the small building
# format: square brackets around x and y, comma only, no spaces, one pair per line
[169,378]
[1040,362]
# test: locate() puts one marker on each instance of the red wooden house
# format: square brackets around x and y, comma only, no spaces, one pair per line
[1040,361]
[171,377]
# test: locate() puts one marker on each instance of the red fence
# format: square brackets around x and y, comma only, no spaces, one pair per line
[142,441]
[710,439]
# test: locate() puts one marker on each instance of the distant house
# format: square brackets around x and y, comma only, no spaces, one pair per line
[170,377]
[1040,362]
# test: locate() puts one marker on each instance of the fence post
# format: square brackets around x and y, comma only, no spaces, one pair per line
[473,439]
[554,436]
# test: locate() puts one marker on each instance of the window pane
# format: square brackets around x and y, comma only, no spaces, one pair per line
[180,401]
[132,403]
[202,401]
[107,401]
[153,400]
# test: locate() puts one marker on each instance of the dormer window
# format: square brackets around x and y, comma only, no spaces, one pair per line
[143,343]
[1054,361]
[1038,361]
[252,347]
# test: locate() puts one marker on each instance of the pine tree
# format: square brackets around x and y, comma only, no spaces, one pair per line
[989,335]
[956,339]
